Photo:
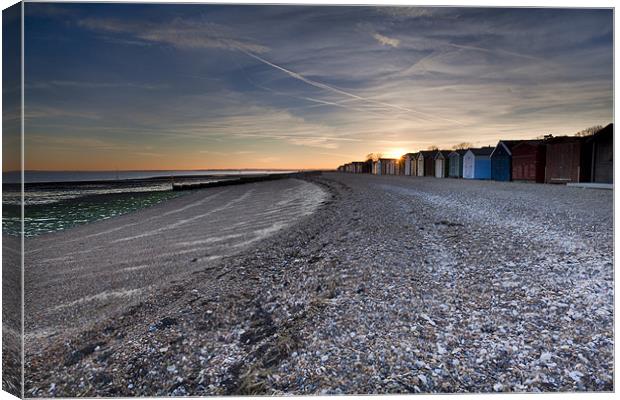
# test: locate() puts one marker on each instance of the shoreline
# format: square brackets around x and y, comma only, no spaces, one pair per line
[152,179]
[115,262]
[100,207]
[342,302]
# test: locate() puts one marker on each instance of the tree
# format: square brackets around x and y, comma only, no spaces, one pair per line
[373,156]
[432,148]
[462,146]
[589,131]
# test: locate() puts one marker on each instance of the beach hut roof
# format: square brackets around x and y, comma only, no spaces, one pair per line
[565,139]
[606,131]
[482,151]
[533,142]
[442,154]
[427,153]
[507,145]
[459,152]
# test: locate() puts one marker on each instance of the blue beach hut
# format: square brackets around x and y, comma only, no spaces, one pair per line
[477,163]
[501,160]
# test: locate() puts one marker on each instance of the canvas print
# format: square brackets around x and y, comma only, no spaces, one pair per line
[228,199]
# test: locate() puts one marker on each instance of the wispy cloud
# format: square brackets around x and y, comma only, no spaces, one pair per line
[37,112]
[180,32]
[386,41]
[93,85]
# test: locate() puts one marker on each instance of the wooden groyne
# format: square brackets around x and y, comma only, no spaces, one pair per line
[241,180]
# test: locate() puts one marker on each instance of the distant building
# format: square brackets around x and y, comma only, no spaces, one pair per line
[477,163]
[456,163]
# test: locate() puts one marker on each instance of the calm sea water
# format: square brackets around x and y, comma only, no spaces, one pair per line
[82,176]
[59,200]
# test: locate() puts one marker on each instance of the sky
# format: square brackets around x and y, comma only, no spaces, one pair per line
[137,86]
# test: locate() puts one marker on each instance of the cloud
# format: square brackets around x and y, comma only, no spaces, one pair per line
[73,143]
[268,160]
[180,32]
[93,85]
[35,112]
[386,41]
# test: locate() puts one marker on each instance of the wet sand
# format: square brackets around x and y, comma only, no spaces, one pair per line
[81,275]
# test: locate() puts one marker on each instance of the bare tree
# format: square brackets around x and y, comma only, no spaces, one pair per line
[432,148]
[373,156]
[589,131]
[462,146]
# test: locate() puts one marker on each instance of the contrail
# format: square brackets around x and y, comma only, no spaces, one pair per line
[510,53]
[340,91]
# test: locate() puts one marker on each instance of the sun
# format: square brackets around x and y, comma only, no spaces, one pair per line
[395,153]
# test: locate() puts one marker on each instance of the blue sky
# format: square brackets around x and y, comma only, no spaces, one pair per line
[204,86]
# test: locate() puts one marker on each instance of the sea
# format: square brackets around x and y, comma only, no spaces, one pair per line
[57,200]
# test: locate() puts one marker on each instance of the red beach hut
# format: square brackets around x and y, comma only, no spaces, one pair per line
[528,161]
[568,160]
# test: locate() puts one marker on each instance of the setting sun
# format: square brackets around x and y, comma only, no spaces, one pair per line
[395,153]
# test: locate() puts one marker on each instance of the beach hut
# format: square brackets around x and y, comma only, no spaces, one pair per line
[501,160]
[568,159]
[375,168]
[357,167]
[426,161]
[367,168]
[456,163]
[411,164]
[442,164]
[400,166]
[528,161]
[477,163]
[602,142]
[420,164]
[387,166]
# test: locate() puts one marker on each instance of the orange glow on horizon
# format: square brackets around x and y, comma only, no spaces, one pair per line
[395,153]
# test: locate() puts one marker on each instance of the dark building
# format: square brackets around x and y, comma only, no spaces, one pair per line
[568,160]
[602,142]
[501,160]
[456,163]
[528,161]
[428,157]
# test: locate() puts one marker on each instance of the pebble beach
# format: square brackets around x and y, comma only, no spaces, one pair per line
[335,284]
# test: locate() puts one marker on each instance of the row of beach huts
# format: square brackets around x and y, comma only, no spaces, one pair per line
[563,159]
